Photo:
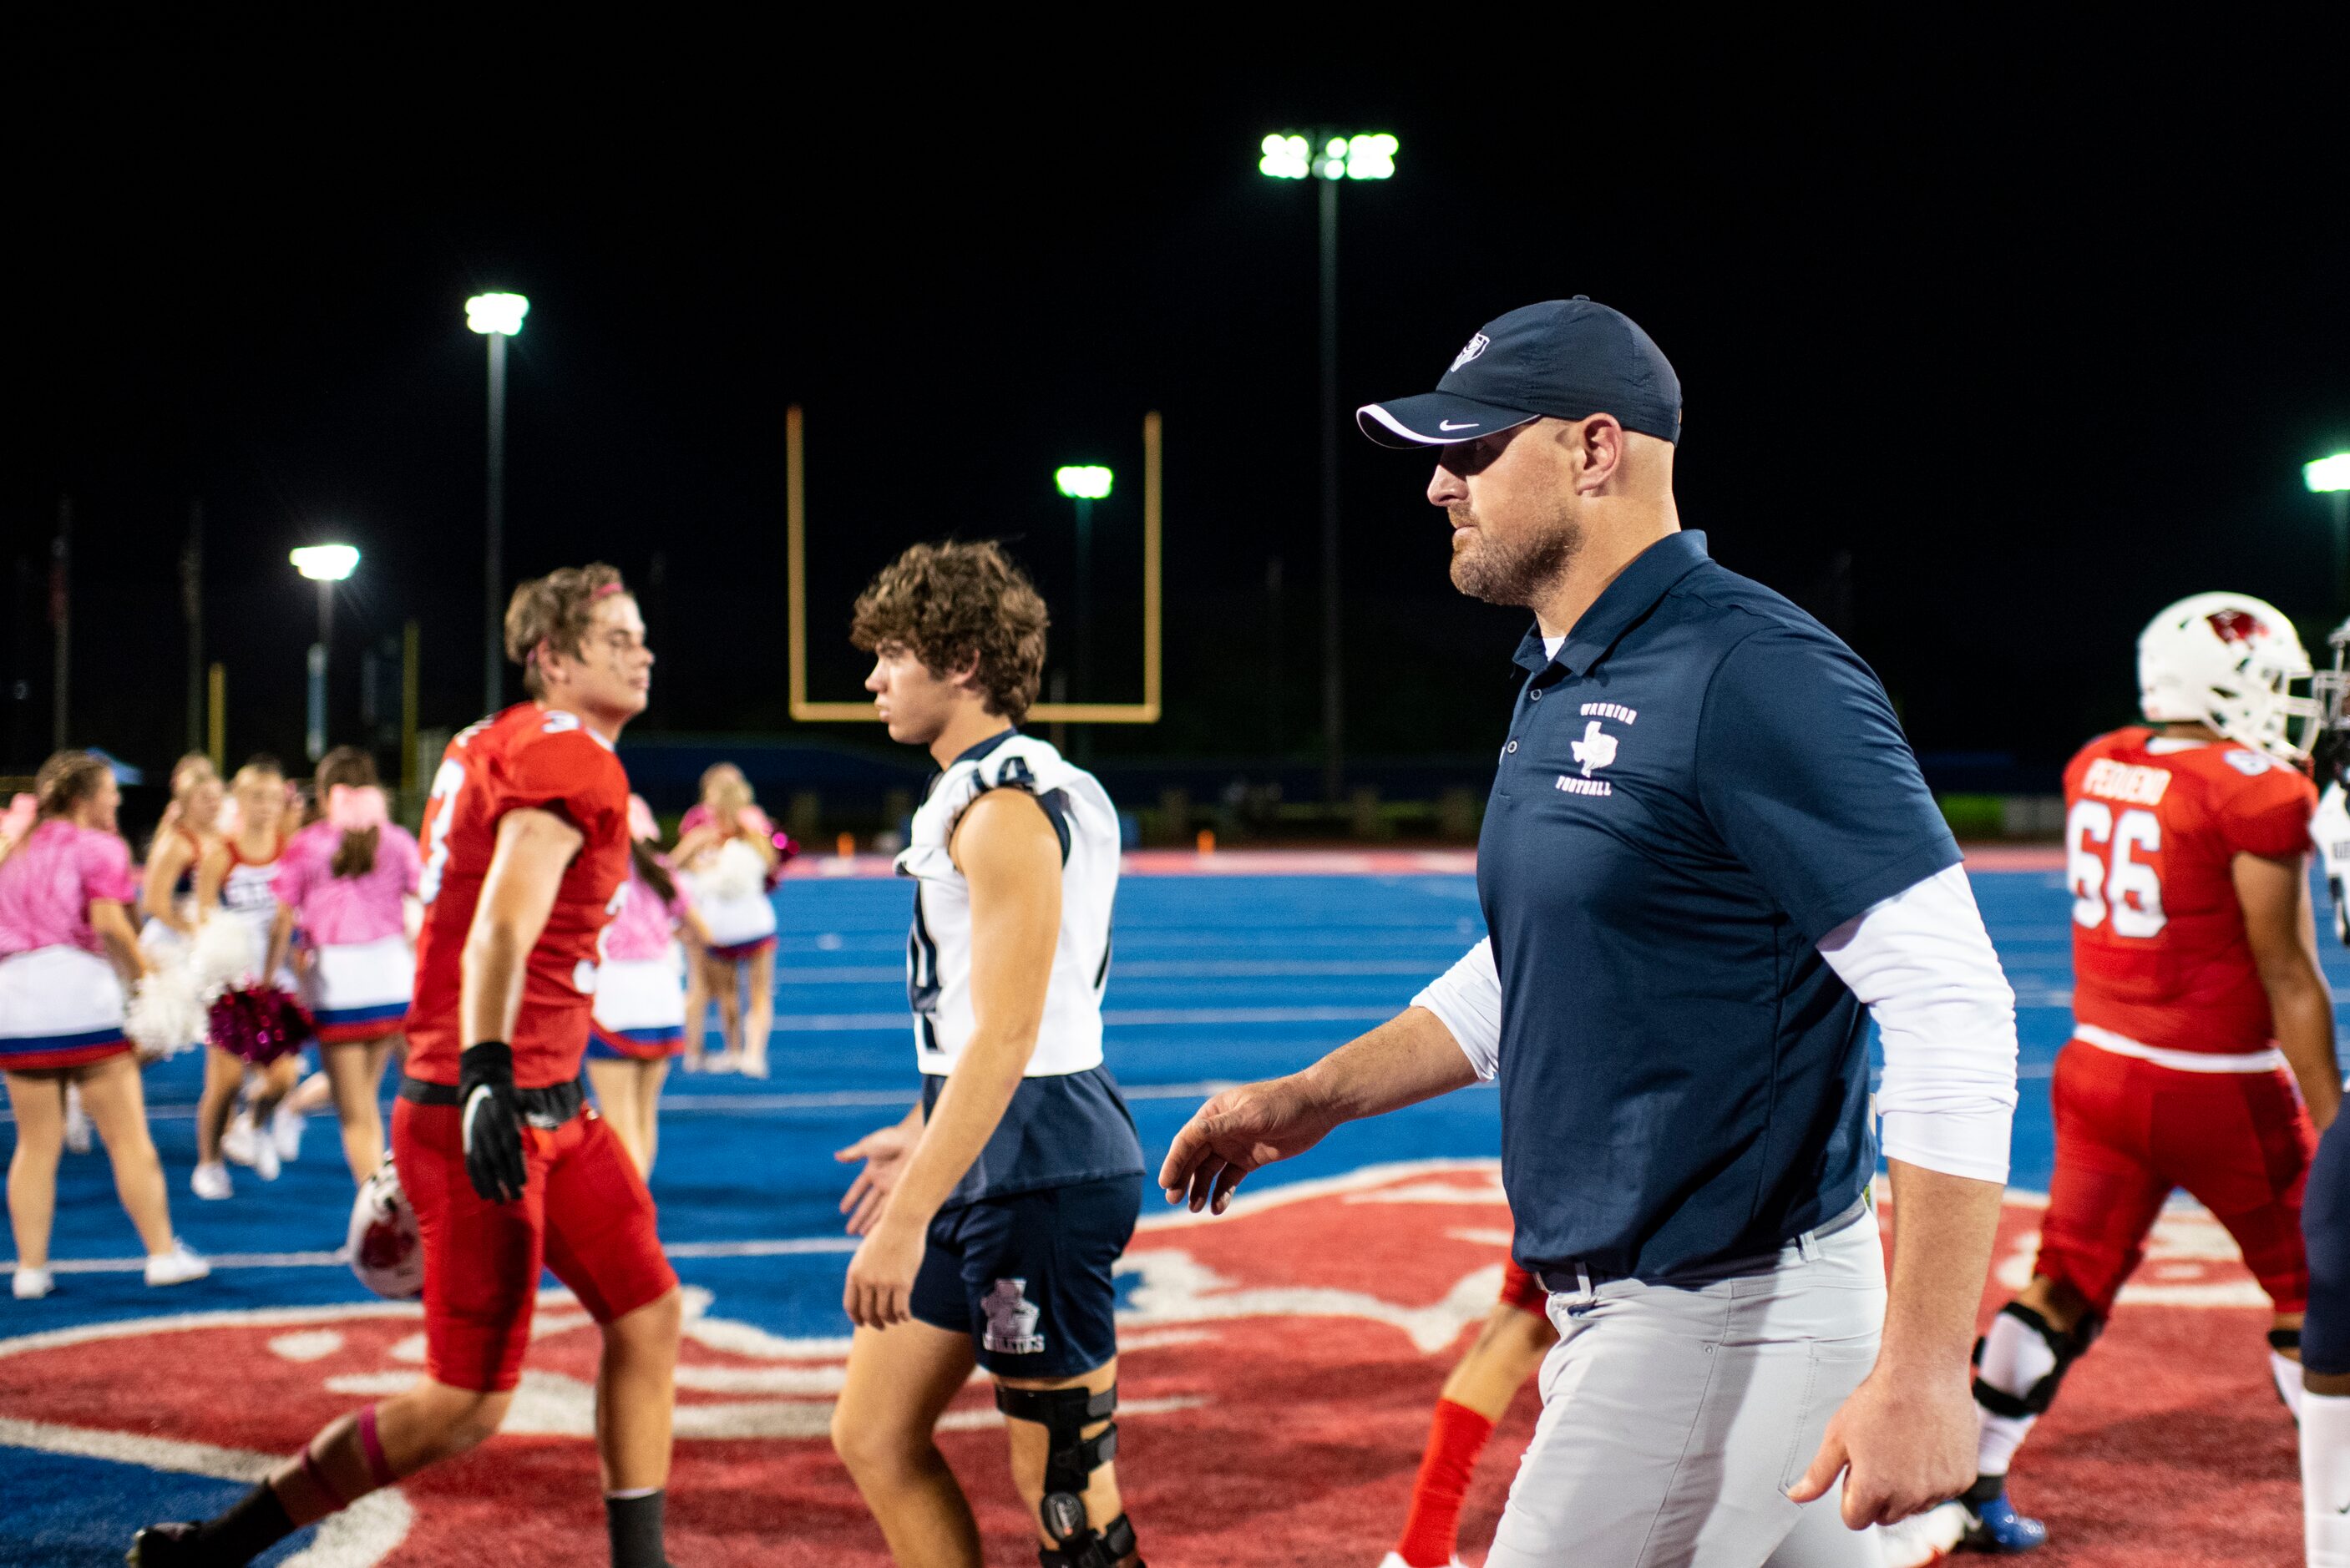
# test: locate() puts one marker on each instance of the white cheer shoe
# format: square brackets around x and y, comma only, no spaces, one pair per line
[285,1132]
[210,1180]
[32,1284]
[238,1143]
[176,1267]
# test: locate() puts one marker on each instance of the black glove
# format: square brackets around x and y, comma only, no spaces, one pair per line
[490,1112]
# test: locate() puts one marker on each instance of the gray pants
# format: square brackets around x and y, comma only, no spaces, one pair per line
[1675,1417]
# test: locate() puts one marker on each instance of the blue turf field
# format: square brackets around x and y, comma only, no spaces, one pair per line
[1215,979]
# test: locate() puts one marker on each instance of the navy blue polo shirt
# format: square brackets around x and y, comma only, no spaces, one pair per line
[1704,784]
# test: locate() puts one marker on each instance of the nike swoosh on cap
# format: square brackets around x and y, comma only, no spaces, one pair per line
[1463,425]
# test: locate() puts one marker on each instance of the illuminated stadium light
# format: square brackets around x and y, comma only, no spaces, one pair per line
[325,563]
[2327,473]
[498,313]
[1084,483]
[1285,157]
[1371,157]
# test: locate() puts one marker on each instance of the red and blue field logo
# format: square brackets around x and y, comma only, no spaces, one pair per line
[1278,1367]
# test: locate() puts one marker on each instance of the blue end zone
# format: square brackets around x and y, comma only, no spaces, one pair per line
[1216,978]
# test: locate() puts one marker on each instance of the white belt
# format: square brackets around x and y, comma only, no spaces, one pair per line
[2267,1060]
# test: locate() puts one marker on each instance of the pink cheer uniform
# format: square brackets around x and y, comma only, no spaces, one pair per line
[61,1003]
[362,972]
[640,1012]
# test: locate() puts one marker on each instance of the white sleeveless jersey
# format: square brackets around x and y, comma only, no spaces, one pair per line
[937,954]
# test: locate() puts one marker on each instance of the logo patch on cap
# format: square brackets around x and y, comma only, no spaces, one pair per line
[1474,346]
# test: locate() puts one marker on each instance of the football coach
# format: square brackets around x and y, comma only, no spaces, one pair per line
[1707,850]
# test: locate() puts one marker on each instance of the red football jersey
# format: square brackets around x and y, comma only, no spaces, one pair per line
[2151,828]
[526,758]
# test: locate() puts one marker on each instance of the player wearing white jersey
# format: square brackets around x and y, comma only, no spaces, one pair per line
[992,1214]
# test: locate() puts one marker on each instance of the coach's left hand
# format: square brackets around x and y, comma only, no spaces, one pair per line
[1907,1438]
[882,1274]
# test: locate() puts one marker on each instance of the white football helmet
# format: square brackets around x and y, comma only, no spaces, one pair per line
[2229,661]
[385,1250]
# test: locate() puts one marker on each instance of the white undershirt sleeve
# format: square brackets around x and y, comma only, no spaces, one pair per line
[1467,1000]
[1923,965]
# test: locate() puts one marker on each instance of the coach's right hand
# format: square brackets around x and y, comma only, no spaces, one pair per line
[490,1113]
[1236,1132]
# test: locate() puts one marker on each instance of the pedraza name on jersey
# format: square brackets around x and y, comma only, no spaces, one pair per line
[2131,783]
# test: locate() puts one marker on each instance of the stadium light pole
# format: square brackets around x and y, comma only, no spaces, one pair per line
[497,316]
[1329,159]
[2330,477]
[1085,484]
[325,565]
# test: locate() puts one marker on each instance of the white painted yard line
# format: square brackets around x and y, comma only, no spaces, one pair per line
[1161,968]
[841,1023]
[223,1261]
[850,1099]
[777,1247]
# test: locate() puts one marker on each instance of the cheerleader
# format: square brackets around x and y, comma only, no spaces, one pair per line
[235,885]
[727,848]
[191,827]
[345,880]
[639,1021]
[66,893]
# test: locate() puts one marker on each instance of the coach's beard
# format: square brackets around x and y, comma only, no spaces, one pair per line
[1515,571]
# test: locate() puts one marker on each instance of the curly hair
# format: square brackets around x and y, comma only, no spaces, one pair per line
[953,603]
[555,609]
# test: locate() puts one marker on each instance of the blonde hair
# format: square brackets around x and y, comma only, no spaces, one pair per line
[188,770]
[725,789]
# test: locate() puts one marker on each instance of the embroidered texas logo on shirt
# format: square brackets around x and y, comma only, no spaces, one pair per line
[1597,750]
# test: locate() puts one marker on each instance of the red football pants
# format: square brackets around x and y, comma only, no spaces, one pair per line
[2129,1131]
[586,1215]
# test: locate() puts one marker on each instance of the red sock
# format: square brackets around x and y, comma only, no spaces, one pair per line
[1432,1529]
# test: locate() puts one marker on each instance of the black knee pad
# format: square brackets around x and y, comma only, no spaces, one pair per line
[2066,1347]
[2285,1341]
[1071,1458]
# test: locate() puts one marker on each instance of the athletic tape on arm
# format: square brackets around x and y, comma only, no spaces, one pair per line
[1467,1000]
[1924,966]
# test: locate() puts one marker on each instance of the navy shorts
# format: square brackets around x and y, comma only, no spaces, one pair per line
[1028,1276]
[2325,1227]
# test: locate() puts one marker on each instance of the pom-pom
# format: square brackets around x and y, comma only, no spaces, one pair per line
[226,952]
[735,872]
[165,1016]
[258,1024]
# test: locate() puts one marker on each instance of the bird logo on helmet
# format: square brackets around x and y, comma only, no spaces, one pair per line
[2231,662]
[385,1251]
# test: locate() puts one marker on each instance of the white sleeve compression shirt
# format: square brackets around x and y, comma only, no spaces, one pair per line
[1467,1000]
[1923,965]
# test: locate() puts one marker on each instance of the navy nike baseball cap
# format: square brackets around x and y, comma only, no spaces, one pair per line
[1567,359]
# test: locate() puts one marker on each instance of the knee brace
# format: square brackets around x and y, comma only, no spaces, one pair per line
[1071,1458]
[2045,1356]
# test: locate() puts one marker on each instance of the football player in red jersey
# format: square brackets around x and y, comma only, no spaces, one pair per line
[2199,1007]
[1509,1348]
[526,852]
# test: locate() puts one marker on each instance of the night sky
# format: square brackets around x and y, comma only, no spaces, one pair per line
[1981,368]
